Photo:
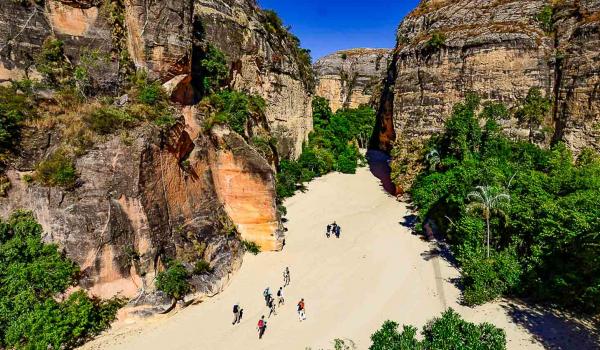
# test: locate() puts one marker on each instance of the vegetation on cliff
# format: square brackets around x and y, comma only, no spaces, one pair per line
[332,146]
[449,331]
[543,237]
[37,308]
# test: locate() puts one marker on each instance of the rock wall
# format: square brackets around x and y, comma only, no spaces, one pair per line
[263,63]
[349,78]
[187,193]
[498,49]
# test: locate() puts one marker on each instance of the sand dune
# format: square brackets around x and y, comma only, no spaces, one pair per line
[376,271]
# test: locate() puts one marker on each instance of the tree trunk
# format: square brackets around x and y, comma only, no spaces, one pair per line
[487,220]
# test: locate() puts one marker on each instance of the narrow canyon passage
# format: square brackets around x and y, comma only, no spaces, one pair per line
[376,271]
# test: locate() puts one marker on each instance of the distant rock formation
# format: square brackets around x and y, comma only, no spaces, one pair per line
[349,78]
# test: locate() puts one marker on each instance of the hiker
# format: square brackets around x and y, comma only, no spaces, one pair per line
[237,313]
[280,300]
[301,310]
[328,233]
[286,277]
[272,307]
[337,231]
[262,326]
[267,295]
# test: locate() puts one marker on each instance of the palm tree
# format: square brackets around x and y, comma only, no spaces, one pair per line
[433,158]
[487,200]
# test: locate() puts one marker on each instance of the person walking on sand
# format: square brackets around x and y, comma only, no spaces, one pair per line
[328,233]
[262,326]
[280,300]
[272,307]
[237,313]
[267,295]
[301,310]
[337,231]
[286,277]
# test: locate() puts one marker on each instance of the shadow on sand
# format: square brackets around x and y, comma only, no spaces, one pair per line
[380,168]
[554,329]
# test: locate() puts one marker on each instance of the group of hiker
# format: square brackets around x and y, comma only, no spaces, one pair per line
[272,304]
[333,229]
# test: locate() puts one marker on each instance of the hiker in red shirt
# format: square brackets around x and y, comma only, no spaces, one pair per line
[262,326]
[301,310]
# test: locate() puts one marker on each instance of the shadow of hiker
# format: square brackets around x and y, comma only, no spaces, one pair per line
[553,328]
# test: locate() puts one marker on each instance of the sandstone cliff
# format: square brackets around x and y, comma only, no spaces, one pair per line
[498,49]
[188,192]
[265,62]
[349,78]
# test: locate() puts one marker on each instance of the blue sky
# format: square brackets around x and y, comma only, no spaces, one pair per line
[325,26]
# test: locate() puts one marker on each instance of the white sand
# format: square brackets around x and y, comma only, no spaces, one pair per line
[376,271]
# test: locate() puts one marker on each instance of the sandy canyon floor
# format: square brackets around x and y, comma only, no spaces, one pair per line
[376,271]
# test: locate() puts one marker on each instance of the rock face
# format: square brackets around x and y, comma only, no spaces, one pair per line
[181,193]
[263,63]
[498,49]
[350,78]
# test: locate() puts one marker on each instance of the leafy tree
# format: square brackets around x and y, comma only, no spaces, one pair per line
[534,110]
[33,276]
[449,332]
[174,280]
[486,200]
[213,70]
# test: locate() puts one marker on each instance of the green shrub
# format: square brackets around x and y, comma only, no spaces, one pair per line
[344,56]
[151,93]
[486,279]
[201,267]
[447,332]
[213,70]
[108,119]
[32,275]
[251,247]
[436,41]
[57,170]
[234,109]
[52,64]
[546,18]
[15,107]
[174,280]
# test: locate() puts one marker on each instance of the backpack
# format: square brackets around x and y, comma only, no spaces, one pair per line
[235,309]
[266,292]
[261,324]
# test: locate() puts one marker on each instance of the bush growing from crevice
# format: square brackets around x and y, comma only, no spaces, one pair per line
[436,41]
[235,109]
[251,247]
[449,331]
[15,108]
[174,281]
[57,170]
[108,119]
[546,18]
[33,276]
[202,267]
[212,71]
